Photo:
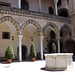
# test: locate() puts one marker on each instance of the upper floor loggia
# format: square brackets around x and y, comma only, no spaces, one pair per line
[54,7]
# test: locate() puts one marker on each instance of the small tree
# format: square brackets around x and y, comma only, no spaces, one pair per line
[9,54]
[53,48]
[32,51]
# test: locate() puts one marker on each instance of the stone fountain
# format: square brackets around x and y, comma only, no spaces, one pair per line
[58,61]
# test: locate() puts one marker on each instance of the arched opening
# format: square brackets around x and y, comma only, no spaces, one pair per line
[65,33]
[51,11]
[8,36]
[65,30]
[70,46]
[31,31]
[59,3]
[24,4]
[63,14]
[24,52]
[52,34]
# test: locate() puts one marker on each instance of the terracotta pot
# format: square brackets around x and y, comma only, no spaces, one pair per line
[33,59]
[9,60]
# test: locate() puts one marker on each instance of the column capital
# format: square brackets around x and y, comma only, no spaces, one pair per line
[55,1]
[20,37]
[41,37]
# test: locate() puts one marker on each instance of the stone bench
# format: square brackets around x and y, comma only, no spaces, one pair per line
[58,61]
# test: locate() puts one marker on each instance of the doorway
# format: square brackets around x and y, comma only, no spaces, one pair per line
[24,52]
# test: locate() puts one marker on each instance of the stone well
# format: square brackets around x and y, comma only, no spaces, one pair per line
[58,61]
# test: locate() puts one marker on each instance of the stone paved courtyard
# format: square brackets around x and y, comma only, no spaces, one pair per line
[31,68]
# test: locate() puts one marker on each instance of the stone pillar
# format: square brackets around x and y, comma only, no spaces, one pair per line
[40,5]
[19,3]
[20,47]
[56,8]
[58,39]
[41,46]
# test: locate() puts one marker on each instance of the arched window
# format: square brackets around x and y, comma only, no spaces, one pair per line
[64,14]
[51,11]
[24,4]
[52,34]
[59,3]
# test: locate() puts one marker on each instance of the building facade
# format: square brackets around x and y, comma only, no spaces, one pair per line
[39,21]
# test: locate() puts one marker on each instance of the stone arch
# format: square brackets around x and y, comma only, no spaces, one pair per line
[53,26]
[11,20]
[68,27]
[30,21]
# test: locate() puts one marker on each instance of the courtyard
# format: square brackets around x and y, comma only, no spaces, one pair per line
[31,68]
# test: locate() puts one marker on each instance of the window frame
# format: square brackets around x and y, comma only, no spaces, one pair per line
[6,35]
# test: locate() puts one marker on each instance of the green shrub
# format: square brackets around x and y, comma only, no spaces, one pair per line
[9,54]
[32,51]
[53,48]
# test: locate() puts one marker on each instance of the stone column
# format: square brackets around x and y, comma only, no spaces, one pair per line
[40,5]
[58,39]
[20,47]
[19,3]
[56,8]
[41,46]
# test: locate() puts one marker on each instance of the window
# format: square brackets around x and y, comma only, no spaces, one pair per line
[59,3]
[5,4]
[24,4]
[51,10]
[5,35]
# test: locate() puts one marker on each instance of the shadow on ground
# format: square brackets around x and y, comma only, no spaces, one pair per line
[51,70]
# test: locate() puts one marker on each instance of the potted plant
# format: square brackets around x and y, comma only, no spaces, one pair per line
[9,54]
[53,48]
[33,52]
